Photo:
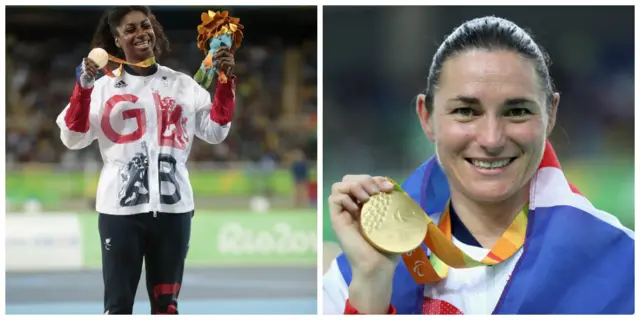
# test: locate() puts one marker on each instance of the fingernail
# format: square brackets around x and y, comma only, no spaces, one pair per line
[387,184]
[376,189]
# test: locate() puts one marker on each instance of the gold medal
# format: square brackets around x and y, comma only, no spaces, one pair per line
[99,56]
[102,58]
[393,222]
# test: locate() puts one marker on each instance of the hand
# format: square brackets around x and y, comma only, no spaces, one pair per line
[225,61]
[370,288]
[88,72]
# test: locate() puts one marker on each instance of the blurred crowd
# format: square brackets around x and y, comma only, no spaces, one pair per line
[41,74]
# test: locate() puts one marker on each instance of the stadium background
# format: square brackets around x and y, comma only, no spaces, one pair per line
[253,247]
[370,84]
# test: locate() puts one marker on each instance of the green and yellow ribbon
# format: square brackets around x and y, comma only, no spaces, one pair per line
[145,64]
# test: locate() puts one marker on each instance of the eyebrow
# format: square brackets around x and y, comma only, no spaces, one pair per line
[508,102]
[137,23]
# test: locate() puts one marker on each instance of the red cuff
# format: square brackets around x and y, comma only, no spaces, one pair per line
[77,116]
[224,102]
[349,309]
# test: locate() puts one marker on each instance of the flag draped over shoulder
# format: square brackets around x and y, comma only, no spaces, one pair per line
[576,259]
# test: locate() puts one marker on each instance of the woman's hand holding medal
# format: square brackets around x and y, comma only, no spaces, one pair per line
[374,222]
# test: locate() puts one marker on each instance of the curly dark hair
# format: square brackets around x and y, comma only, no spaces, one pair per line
[111,19]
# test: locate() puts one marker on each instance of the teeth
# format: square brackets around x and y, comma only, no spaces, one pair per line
[491,164]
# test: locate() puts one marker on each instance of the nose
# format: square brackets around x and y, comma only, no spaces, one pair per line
[140,31]
[490,135]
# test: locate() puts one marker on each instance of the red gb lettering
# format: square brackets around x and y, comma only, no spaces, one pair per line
[171,123]
[138,114]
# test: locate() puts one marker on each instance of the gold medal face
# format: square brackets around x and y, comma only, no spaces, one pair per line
[393,222]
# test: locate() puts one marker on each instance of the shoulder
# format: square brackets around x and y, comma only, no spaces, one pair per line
[180,77]
[552,193]
[415,178]
[415,184]
[584,221]
[104,81]
[166,71]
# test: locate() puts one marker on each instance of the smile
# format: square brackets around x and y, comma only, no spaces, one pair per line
[487,165]
[142,44]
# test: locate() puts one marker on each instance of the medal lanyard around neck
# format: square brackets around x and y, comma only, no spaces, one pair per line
[145,64]
[445,254]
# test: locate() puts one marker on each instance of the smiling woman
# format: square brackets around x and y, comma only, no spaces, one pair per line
[489,120]
[506,232]
[145,118]
[118,34]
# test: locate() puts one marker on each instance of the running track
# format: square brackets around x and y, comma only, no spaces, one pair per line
[217,290]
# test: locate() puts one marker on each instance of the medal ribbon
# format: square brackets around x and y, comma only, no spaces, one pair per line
[445,254]
[145,64]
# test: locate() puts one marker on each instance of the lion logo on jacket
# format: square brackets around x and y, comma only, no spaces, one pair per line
[172,123]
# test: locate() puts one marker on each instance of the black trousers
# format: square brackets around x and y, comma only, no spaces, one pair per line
[162,240]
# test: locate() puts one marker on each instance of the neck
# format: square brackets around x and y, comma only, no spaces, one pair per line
[487,221]
[140,71]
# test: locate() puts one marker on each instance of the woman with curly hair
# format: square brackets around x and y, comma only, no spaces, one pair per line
[144,118]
